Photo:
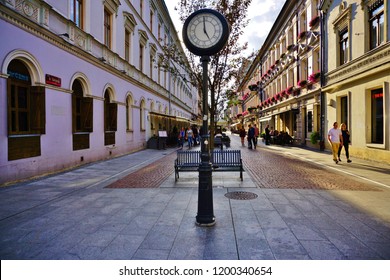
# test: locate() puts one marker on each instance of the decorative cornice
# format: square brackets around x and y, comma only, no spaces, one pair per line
[358,66]
[343,19]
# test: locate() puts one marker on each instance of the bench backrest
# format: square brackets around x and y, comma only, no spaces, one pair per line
[226,157]
[218,140]
[218,157]
[184,157]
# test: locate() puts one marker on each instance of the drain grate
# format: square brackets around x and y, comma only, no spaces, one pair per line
[241,195]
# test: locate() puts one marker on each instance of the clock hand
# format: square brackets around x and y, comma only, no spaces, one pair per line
[204,28]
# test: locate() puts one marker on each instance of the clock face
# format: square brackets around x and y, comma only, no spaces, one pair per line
[204,30]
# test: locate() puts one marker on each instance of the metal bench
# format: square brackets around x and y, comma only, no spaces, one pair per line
[221,160]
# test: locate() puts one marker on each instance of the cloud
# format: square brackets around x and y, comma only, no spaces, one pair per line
[261,14]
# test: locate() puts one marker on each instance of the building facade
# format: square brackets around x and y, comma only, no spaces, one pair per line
[324,61]
[80,81]
[282,86]
[357,73]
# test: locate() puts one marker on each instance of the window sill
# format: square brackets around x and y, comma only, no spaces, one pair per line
[376,146]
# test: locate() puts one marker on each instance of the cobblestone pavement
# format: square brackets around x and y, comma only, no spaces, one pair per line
[72,215]
[271,169]
[150,176]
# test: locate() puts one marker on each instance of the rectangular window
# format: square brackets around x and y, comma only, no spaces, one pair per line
[159,31]
[304,67]
[141,57]
[344,109]
[377,117]
[151,66]
[127,45]
[107,28]
[343,46]
[76,12]
[26,118]
[151,20]
[159,74]
[19,109]
[141,8]
[376,23]
[310,121]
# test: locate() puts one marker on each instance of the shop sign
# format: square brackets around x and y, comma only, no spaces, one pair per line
[53,80]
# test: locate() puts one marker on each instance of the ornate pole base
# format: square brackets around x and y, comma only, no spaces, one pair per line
[205,216]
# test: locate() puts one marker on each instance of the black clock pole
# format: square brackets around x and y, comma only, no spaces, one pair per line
[205,216]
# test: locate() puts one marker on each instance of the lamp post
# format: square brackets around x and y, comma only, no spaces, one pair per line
[205,33]
[205,216]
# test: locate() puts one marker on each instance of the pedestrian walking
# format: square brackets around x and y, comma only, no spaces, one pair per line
[196,135]
[257,134]
[242,135]
[181,137]
[251,135]
[267,135]
[189,135]
[335,139]
[345,133]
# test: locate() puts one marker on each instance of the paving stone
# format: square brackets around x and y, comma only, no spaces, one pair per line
[73,216]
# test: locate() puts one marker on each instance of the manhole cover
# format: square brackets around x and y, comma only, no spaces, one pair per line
[241,195]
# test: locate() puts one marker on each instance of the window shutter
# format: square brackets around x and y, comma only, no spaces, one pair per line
[113,111]
[74,113]
[87,114]
[9,111]
[37,110]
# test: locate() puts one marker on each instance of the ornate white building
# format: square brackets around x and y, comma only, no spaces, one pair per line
[80,82]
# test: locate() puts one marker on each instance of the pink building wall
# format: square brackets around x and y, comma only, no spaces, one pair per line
[56,144]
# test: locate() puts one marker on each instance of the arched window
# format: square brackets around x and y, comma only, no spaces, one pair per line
[110,119]
[25,113]
[142,115]
[129,113]
[82,117]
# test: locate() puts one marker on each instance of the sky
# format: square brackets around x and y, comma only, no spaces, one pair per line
[261,15]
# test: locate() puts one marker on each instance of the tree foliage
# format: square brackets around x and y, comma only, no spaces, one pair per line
[224,67]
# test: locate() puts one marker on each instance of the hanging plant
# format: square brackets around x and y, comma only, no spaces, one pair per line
[302,35]
[251,109]
[291,47]
[302,83]
[252,87]
[296,92]
[314,77]
[289,90]
[314,21]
